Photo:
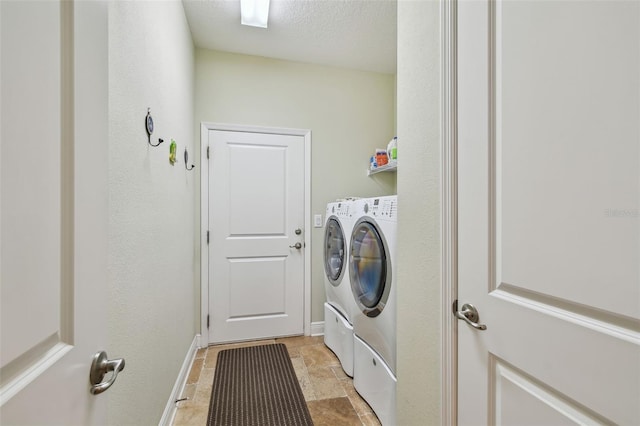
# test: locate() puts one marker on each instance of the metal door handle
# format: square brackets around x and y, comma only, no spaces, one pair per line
[101,366]
[469,314]
[298,231]
[296,245]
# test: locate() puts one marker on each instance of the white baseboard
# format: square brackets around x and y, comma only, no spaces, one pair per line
[199,341]
[317,328]
[181,381]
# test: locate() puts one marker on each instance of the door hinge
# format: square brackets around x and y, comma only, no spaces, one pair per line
[207,237]
[207,152]
[207,321]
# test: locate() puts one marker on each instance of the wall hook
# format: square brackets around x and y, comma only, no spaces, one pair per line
[186,160]
[148,122]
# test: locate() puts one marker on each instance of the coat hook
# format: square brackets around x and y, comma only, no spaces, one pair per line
[186,160]
[148,122]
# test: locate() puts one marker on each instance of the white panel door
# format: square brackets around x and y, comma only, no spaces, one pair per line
[549,219]
[256,204]
[53,210]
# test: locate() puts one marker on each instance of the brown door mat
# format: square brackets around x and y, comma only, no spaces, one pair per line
[256,386]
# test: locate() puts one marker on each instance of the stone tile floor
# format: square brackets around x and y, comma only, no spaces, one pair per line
[329,392]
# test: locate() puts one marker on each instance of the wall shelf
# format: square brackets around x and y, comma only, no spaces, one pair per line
[392,166]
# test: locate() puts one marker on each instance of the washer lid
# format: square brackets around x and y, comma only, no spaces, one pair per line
[370,268]
[334,251]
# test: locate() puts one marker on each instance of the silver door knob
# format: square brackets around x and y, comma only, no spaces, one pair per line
[469,314]
[296,245]
[298,231]
[101,366]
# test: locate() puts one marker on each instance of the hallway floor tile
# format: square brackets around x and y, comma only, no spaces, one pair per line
[329,392]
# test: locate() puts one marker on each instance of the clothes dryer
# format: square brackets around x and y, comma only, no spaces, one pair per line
[372,255]
[337,231]
[340,306]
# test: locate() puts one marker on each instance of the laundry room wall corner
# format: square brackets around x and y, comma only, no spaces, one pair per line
[419,233]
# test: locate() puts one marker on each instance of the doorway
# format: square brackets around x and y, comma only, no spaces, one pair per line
[255,208]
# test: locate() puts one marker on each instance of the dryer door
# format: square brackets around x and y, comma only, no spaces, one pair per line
[334,251]
[369,267]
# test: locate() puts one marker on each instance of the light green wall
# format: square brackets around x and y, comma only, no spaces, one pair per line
[350,113]
[419,259]
[151,256]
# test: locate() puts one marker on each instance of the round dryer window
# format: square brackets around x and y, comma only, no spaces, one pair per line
[334,251]
[369,268]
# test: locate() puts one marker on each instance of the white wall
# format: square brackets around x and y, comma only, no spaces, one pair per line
[419,275]
[151,206]
[349,113]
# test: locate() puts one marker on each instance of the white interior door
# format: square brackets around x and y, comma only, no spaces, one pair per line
[549,219]
[256,219]
[53,210]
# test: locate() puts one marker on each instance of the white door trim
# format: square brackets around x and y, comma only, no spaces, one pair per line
[449,203]
[204,214]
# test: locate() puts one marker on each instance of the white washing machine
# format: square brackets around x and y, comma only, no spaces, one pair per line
[372,254]
[340,306]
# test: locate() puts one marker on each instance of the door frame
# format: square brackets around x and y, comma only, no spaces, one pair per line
[449,211]
[205,127]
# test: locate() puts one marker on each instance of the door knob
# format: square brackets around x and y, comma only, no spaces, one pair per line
[296,245]
[298,231]
[101,366]
[469,314]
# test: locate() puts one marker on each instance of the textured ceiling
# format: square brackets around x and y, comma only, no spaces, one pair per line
[357,34]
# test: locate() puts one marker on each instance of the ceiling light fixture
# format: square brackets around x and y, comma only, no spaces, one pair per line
[254,13]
